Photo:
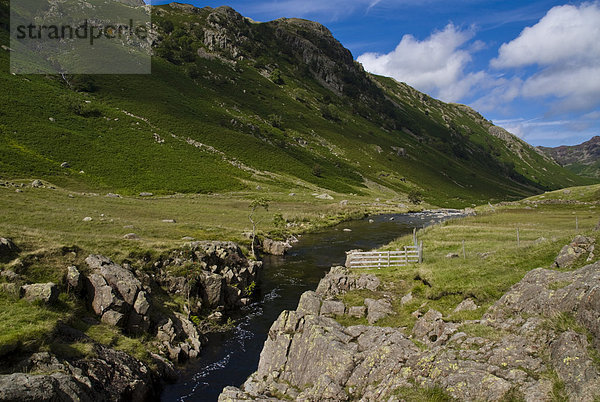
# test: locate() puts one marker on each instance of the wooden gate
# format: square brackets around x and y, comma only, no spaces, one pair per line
[384,259]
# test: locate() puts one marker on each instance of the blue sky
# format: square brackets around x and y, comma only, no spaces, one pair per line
[532,67]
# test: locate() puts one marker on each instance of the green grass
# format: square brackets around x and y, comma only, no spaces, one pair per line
[44,221]
[494,261]
[26,326]
[228,111]
[418,394]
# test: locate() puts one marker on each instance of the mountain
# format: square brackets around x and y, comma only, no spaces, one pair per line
[235,105]
[582,159]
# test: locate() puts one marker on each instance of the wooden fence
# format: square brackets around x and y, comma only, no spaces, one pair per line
[384,259]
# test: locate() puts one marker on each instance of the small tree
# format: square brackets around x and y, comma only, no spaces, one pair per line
[317,170]
[254,205]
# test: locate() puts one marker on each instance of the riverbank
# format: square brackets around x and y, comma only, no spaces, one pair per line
[230,357]
[485,324]
[53,232]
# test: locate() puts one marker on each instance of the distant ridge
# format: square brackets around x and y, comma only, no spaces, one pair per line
[583,159]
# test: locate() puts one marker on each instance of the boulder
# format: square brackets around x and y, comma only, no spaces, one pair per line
[377,309]
[141,305]
[214,286]
[131,236]
[570,253]
[65,165]
[21,387]
[332,308]
[7,247]
[11,276]
[407,298]
[74,279]
[100,293]
[309,304]
[274,247]
[357,311]
[44,292]
[37,184]
[324,197]
[113,318]
[466,305]
[123,281]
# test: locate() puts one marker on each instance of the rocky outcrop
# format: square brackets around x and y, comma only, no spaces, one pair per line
[339,280]
[570,253]
[109,375]
[211,276]
[218,275]
[528,348]
[117,295]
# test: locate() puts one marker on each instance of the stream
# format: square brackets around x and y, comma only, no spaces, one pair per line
[229,358]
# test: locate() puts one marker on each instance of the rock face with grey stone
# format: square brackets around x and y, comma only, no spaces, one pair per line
[580,246]
[44,292]
[116,295]
[310,356]
[275,247]
[108,375]
[217,278]
[221,277]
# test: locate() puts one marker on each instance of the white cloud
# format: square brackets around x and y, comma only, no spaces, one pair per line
[435,65]
[566,33]
[565,44]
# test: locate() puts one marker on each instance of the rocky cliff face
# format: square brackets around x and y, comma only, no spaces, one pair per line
[538,342]
[229,35]
[582,156]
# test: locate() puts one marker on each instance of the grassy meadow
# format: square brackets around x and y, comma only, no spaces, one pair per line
[48,226]
[493,260]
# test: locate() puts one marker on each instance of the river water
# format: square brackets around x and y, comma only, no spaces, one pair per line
[230,357]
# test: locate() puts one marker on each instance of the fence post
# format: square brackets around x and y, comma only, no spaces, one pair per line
[389,263]
[464,252]
[421,252]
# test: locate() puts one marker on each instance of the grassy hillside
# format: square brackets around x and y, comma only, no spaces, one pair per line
[234,105]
